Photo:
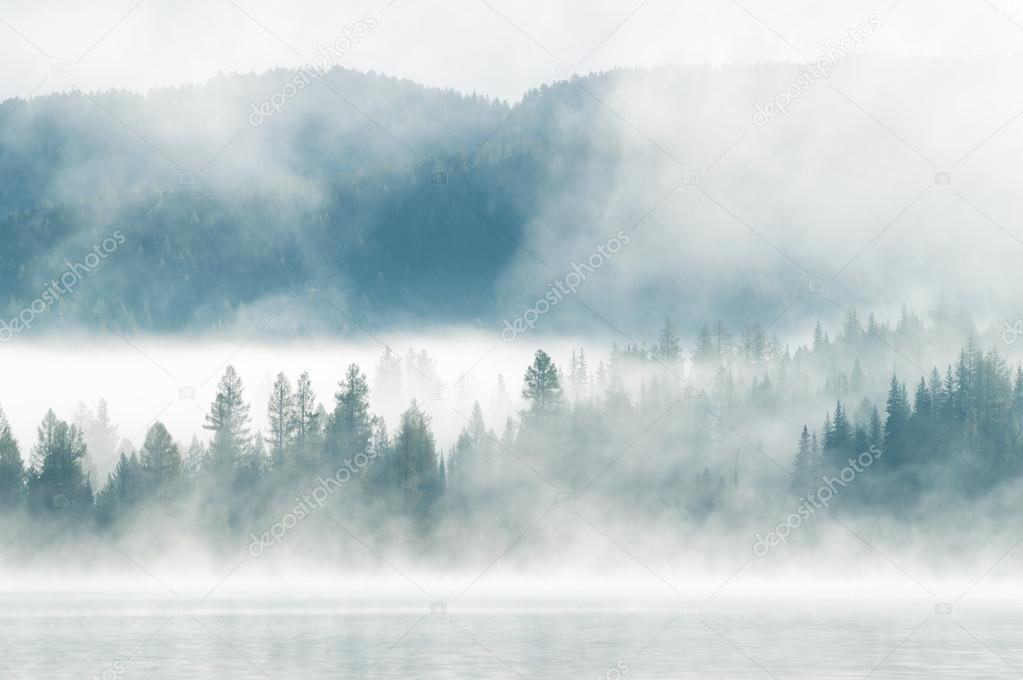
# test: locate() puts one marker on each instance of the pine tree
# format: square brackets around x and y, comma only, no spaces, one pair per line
[388,382]
[418,465]
[58,479]
[420,374]
[542,387]
[500,401]
[704,352]
[12,469]
[350,427]
[754,343]
[307,419]
[805,464]
[283,419]
[579,376]
[162,466]
[923,404]
[857,380]
[123,491]
[195,458]
[228,419]
[875,432]
[897,414]
[820,338]
[668,350]
[1017,392]
[937,393]
[99,433]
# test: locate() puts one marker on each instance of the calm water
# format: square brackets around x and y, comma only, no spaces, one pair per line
[249,639]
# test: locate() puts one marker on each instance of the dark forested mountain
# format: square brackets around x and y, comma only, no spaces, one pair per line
[216,213]
[402,203]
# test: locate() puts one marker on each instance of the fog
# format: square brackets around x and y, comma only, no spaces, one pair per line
[655,308]
[142,379]
[679,502]
[512,48]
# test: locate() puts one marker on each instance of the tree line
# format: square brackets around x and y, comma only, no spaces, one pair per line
[677,416]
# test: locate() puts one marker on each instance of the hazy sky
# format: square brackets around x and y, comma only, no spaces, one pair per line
[496,47]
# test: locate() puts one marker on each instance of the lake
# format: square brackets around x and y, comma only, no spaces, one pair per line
[107,637]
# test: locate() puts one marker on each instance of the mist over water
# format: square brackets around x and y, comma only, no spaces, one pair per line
[617,341]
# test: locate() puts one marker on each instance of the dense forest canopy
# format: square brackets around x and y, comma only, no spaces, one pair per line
[404,204]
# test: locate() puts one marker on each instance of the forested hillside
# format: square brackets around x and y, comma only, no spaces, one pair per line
[406,204]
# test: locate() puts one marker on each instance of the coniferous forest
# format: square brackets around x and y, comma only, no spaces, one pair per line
[715,435]
[493,339]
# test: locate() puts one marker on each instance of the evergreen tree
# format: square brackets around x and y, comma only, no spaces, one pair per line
[12,469]
[124,490]
[228,419]
[350,427]
[420,374]
[579,375]
[58,479]
[308,419]
[704,352]
[857,380]
[419,483]
[838,438]
[820,338]
[99,433]
[897,412]
[805,465]
[923,404]
[754,341]
[195,458]
[500,402]
[875,431]
[162,466]
[542,387]
[283,419]
[668,350]
[388,383]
